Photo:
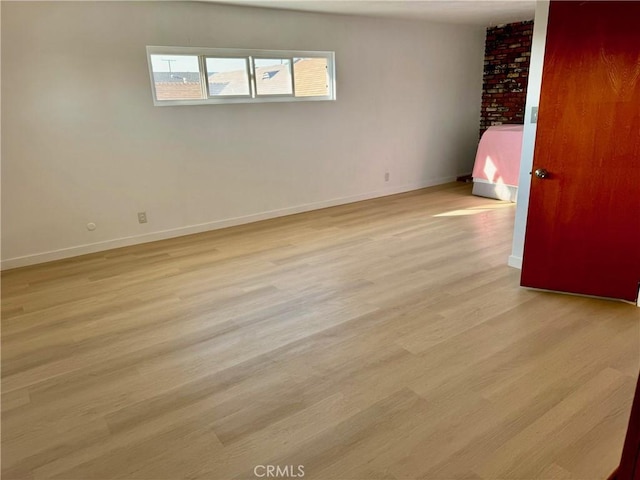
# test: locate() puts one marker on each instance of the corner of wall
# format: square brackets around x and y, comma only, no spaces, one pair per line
[515,262]
[529,133]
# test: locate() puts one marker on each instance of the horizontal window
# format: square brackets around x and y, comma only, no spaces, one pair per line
[273,76]
[176,77]
[228,77]
[194,76]
[311,77]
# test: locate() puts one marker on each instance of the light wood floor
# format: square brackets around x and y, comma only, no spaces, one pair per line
[380,340]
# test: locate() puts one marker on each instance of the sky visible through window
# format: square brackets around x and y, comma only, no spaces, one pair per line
[189,63]
[174,63]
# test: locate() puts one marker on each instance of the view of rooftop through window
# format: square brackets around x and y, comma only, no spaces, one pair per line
[273,76]
[178,77]
[228,76]
[311,77]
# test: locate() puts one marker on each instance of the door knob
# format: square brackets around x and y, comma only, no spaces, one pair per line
[542,173]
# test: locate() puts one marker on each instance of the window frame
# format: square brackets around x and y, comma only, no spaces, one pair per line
[208,96]
[252,61]
[250,54]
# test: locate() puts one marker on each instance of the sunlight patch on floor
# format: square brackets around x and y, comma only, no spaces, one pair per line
[475,210]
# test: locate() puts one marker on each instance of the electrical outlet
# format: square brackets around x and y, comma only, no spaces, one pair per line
[142,217]
[386,176]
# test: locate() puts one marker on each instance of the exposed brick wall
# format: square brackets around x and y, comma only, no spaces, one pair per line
[506,72]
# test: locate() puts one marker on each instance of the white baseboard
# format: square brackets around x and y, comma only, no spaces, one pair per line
[515,262]
[75,251]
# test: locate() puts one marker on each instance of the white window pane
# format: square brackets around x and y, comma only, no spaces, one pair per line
[176,77]
[228,77]
[273,76]
[311,77]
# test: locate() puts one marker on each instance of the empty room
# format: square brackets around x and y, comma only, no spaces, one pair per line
[333,240]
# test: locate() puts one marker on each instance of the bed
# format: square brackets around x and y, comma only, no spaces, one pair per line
[497,165]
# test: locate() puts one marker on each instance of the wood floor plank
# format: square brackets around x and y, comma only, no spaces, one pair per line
[384,339]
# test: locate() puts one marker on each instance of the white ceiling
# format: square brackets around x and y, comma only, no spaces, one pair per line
[476,12]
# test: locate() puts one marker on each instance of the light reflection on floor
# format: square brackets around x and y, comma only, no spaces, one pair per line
[476,210]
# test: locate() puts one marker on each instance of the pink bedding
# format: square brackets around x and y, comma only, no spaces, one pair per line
[498,156]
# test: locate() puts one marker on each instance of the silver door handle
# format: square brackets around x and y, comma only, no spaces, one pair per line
[542,173]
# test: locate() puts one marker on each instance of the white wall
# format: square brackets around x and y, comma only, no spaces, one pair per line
[529,134]
[82,141]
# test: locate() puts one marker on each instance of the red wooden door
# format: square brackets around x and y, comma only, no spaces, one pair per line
[629,468]
[583,227]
